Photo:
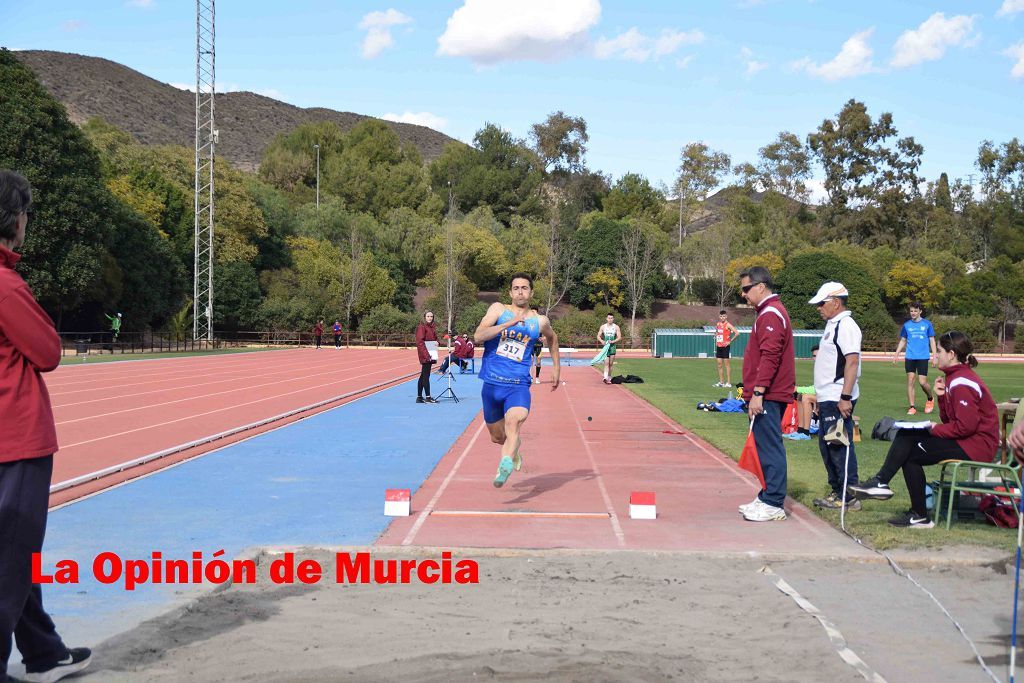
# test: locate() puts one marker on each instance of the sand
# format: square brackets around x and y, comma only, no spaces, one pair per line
[582,616]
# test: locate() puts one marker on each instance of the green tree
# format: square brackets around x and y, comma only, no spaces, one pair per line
[237,297]
[805,273]
[783,167]
[606,287]
[498,171]
[633,196]
[700,171]
[65,246]
[912,281]
[561,142]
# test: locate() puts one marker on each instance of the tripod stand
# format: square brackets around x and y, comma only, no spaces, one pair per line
[449,392]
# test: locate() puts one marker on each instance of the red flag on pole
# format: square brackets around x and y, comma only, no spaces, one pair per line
[749,459]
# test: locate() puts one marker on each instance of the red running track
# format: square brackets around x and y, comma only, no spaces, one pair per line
[578,474]
[113,413]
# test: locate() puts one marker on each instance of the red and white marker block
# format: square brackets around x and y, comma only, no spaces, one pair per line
[397,502]
[641,505]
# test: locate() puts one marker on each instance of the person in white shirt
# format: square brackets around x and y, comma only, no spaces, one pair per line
[836,371]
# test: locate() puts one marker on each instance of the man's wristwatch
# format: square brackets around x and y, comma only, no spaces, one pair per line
[845,397]
[758,393]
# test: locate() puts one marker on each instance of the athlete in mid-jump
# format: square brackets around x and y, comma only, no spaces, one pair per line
[508,334]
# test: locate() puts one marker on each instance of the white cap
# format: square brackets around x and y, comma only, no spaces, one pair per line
[828,290]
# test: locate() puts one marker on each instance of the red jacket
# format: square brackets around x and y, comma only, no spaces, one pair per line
[318,330]
[968,414]
[29,346]
[425,333]
[462,347]
[769,360]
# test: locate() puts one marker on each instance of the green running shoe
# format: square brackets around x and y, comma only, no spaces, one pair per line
[505,468]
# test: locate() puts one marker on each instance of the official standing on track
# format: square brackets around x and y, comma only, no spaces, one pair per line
[29,346]
[769,380]
[425,332]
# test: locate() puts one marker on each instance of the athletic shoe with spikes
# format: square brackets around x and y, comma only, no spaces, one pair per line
[505,468]
[929,405]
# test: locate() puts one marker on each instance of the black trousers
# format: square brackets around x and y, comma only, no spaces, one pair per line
[337,341]
[318,338]
[911,451]
[24,498]
[424,384]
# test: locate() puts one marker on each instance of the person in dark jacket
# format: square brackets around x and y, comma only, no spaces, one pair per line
[29,346]
[969,431]
[769,380]
[318,332]
[425,332]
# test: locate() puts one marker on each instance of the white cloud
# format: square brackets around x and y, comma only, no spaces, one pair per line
[378,30]
[142,4]
[1016,52]
[420,118]
[634,46]
[854,59]
[929,41]
[753,66]
[493,31]
[72,25]
[1010,7]
[684,62]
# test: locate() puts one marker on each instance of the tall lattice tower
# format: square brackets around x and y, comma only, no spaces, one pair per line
[206,139]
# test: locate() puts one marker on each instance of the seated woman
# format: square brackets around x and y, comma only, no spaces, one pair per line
[969,431]
[806,410]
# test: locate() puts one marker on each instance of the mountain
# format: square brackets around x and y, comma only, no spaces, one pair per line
[156,113]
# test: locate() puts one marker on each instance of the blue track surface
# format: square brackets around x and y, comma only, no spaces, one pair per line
[317,481]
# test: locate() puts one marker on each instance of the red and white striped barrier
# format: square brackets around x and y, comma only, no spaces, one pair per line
[641,505]
[397,502]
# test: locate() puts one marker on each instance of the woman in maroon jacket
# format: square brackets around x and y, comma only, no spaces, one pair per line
[968,431]
[29,346]
[425,332]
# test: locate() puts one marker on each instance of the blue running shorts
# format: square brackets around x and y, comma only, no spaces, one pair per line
[498,398]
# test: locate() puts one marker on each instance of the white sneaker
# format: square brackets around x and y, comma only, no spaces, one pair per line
[764,513]
[717,384]
[750,506]
[537,381]
[727,385]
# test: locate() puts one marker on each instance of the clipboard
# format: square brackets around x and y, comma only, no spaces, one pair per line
[431,349]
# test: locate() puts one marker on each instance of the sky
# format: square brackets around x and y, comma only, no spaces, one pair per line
[648,76]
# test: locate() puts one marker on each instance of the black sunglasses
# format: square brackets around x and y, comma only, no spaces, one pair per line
[747,288]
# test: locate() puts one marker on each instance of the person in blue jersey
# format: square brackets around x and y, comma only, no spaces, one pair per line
[508,334]
[918,336]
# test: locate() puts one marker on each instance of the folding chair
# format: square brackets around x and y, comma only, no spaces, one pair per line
[963,477]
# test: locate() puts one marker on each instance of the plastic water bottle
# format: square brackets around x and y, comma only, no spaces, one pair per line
[731,395]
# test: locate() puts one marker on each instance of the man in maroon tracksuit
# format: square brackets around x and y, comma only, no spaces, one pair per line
[769,380]
[29,346]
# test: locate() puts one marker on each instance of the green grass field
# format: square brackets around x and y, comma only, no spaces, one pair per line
[676,385]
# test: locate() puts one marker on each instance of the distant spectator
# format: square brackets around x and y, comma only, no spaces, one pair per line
[318,332]
[725,334]
[336,328]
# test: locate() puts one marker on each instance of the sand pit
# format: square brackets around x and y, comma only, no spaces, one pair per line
[579,616]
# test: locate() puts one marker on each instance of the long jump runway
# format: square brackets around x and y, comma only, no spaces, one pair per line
[586,446]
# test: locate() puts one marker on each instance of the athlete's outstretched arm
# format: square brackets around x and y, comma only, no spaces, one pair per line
[489,329]
[551,338]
